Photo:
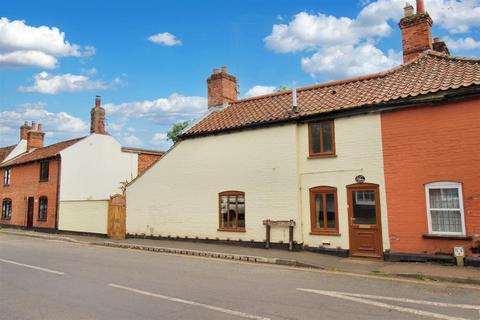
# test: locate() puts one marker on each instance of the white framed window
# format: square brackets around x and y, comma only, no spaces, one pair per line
[445,208]
[6,176]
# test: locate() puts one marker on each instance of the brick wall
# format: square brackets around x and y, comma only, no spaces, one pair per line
[424,145]
[25,182]
[145,160]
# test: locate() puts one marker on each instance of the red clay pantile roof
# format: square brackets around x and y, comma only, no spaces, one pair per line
[430,73]
[41,153]
[5,151]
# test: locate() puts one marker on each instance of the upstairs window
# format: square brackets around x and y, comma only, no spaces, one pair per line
[7,174]
[44,170]
[232,211]
[321,137]
[6,209]
[42,208]
[445,208]
[323,210]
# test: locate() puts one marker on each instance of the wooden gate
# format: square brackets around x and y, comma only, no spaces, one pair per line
[116,217]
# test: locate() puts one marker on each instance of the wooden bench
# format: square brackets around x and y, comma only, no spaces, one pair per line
[290,224]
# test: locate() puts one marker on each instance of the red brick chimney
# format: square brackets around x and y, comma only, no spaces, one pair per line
[222,87]
[24,130]
[35,137]
[97,118]
[416,31]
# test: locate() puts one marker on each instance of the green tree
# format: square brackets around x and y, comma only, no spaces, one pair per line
[176,130]
[282,88]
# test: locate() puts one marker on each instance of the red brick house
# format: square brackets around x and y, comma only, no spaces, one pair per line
[47,187]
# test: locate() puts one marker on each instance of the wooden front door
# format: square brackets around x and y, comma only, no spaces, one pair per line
[365,220]
[30,205]
[116,228]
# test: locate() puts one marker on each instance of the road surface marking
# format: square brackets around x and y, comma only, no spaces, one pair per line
[356,298]
[192,303]
[32,267]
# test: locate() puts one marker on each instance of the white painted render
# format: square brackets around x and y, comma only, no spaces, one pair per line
[93,168]
[20,148]
[178,196]
[91,171]
[83,216]
[358,143]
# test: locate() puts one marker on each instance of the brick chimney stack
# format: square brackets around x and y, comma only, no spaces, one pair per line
[24,130]
[97,118]
[222,87]
[416,31]
[35,136]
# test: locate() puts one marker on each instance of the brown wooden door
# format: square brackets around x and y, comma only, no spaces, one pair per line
[30,205]
[116,218]
[365,220]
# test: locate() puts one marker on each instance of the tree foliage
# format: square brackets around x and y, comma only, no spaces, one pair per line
[176,130]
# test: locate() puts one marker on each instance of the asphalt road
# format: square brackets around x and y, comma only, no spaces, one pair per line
[45,279]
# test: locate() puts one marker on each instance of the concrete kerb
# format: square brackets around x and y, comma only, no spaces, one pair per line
[208,254]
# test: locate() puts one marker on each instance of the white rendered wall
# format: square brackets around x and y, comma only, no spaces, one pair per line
[93,168]
[178,196]
[83,216]
[20,148]
[358,143]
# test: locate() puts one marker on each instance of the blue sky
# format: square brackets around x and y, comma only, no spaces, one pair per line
[149,60]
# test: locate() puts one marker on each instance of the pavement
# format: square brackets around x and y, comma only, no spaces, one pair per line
[419,271]
[42,278]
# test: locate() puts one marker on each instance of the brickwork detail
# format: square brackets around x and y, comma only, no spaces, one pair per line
[145,161]
[426,145]
[222,87]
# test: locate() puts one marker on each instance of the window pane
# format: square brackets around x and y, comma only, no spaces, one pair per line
[330,210]
[241,211]
[319,210]
[327,137]
[232,211]
[315,138]
[223,210]
[364,207]
[446,220]
[447,198]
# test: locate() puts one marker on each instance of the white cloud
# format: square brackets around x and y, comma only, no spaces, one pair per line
[333,39]
[24,45]
[350,61]
[132,141]
[159,138]
[52,84]
[165,38]
[467,43]
[161,111]
[57,126]
[259,91]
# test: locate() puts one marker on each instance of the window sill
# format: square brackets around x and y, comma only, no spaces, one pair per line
[325,233]
[6,219]
[446,237]
[320,156]
[232,229]
[42,220]
[43,180]
[6,185]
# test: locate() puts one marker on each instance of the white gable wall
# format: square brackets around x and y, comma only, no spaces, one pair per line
[91,171]
[20,148]
[178,196]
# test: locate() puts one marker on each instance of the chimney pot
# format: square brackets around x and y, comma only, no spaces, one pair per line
[39,128]
[34,127]
[98,101]
[215,70]
[35,137]
[408,10]
[224,70]
[436,40]
[420,7]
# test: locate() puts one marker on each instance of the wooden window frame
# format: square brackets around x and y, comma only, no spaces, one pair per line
[228,194]
[7,176]
[9,216]
[445,185]
[323,231]
[40,217]
[43,162]
[321,154]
